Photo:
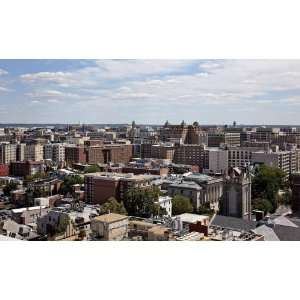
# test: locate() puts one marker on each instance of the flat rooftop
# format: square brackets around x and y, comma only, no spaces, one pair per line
[192,218]
[110,218]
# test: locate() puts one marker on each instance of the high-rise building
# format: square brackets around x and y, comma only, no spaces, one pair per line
[7,153]
[34,152]
[55,152]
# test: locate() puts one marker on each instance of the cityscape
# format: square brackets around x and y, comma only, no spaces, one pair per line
[149,150]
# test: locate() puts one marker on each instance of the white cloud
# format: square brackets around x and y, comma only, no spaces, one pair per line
[3,89]
[3,72]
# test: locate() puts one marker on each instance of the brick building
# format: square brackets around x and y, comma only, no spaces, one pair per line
[26,168]
[4,169]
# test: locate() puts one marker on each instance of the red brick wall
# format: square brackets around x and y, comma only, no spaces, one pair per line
[4,170]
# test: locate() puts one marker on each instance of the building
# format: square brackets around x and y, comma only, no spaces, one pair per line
[199,188]
[75,154]
[217,160]
[216,139]
[55,152]
[190,155]
[166,203]
[4,170]
[284,160]
[101,186]
[7,153]
[183,134]
[188,222]
[110,227]
[26,168]
[295,186]
[236,198]
[28,215]
[34,152]
[163,151]
[20,155]
[240,156]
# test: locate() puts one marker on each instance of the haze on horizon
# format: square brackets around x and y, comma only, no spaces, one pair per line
[150,91]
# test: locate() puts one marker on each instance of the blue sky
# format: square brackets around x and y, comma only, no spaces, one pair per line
[150,91]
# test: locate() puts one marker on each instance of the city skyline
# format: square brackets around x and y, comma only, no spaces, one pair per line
[150,91]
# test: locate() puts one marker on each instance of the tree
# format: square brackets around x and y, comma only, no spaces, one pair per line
[69,181]
[205,209]
[92,169]
[263,204]
[266,184]
[113,206]
[141,202]
[11,186]
[181,204]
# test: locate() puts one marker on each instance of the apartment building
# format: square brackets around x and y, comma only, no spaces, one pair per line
[7,153]
[183,134]
[284,160]
[190,155]
[55,152]
[240,156]
[34,152]
[217,160]
[101,186]
[216,139]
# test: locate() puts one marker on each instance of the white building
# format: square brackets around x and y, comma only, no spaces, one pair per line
[284,160]
[7,153]
[166,203]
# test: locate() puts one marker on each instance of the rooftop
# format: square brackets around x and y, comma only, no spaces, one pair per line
[110,218]
[192,218]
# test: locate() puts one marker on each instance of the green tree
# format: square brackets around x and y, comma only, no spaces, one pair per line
[11,186]
[141,201]
[69,181]
[264,205]
[113,206]
[181,204]
[92,169]
[266,184]
[205,209]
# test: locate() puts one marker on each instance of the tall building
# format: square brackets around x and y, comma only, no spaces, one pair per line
[236,198]
[20,156]
[75,154]
[7,153]
[183,134]
[217,160]
[284,160]
[216,139]
[190,155]
[55,152]
[34,152]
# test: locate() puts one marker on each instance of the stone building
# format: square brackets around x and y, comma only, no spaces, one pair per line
[236,198]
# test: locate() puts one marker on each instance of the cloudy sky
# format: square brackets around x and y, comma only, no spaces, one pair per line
[150,91]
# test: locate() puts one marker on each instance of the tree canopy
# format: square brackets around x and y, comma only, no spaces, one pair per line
[263,204]
[11,186]
[113,206]
[141,201]
[69,181]
[266,184]
[92,169]
[181,204]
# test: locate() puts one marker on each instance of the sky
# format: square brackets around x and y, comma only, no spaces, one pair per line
[150,91]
